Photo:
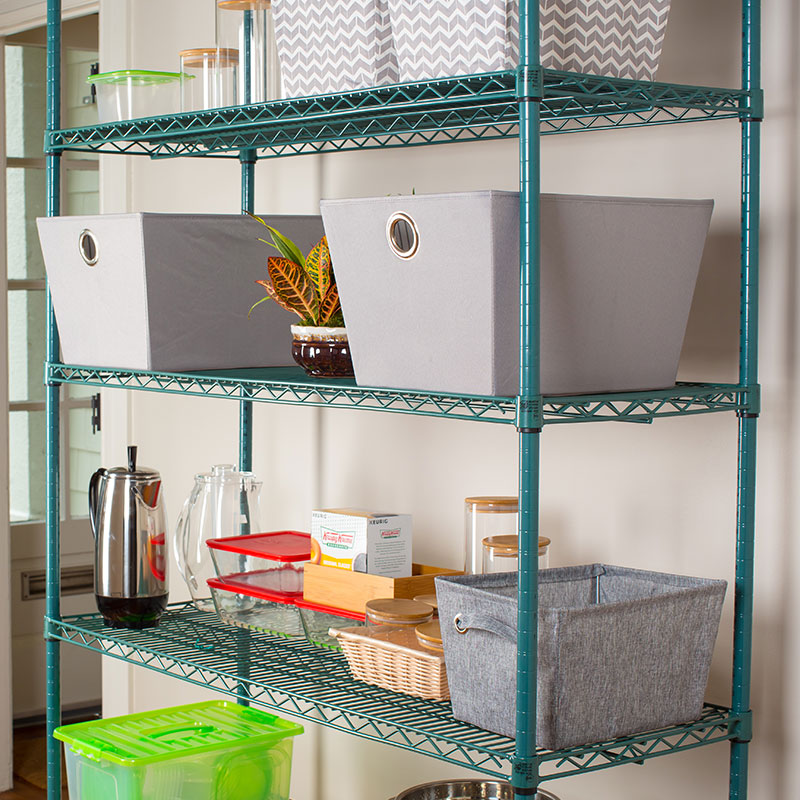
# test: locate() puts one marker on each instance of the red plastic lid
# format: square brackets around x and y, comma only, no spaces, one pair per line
[230,584]
[276,546]
[338,612]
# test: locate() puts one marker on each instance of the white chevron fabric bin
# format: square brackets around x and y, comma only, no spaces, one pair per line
[615,38]
[333,45]
[617,280]
[168,291]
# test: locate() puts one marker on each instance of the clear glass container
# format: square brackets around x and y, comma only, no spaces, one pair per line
[135,93]
[273,561]
[209,78]
[223,503]
[397,611]
[484,517]
[501,553]
[246,26]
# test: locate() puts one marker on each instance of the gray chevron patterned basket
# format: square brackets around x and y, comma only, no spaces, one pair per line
[333,45]
[616,38]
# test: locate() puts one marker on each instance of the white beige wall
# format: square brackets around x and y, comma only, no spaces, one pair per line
[660,496]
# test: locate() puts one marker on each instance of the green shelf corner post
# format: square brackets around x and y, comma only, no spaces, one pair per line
[247,159]
[52,398]
[525,772]
[748,376]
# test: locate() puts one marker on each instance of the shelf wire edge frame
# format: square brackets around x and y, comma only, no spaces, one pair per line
[475,748]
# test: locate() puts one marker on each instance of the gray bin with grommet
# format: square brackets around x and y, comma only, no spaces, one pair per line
[168,292]
[620,650]
[429,286]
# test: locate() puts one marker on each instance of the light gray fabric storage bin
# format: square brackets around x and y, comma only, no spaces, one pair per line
[618,275]
[620,650]
[333,45]
[169,291]
[617,38]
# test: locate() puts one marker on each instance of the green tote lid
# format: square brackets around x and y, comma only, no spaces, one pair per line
[179,732]
[139,77]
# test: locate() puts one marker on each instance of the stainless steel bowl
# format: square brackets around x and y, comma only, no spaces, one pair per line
[466,790]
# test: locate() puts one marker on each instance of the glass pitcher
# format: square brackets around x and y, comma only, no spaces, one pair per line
[222,503]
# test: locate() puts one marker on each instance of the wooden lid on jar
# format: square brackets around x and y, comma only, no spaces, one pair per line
[197,57]
[398,611]
[492,504]
[429,634]
[508,546]
[429,599]
[244,5]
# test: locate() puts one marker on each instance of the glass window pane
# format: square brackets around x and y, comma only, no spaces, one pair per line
[81,194]
[25,200]
[26,468]
[25,100]
[79,392]
[84,459]
[26,345]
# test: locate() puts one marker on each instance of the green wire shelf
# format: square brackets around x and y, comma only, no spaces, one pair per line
[291,386]
[432,112]
[294,677]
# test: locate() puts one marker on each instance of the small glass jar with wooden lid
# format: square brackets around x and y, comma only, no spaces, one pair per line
[501,553]
[209,78]
[485,516]
[397,611]
[429,635]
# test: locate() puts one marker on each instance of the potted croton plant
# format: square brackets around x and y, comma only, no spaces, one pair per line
[307,287]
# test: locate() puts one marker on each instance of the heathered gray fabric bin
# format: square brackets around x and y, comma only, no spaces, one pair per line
[620,650]
[617,280]
[169,291]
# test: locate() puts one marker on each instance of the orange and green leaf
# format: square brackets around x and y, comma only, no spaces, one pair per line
[290,283]
[330,307]
[318,267]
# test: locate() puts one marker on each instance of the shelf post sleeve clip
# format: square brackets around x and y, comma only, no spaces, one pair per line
[755,111]
[743,727]
[530,83]
[752,402]
[530,414]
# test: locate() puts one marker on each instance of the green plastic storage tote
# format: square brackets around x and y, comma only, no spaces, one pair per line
[205,751]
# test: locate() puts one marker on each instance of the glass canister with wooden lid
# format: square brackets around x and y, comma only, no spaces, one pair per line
[209,78]
[397,611]
[246,26]
[501,553]
[486,516]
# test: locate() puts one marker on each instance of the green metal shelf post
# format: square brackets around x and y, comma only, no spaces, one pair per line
[525,773]
[748,376]
[52,421]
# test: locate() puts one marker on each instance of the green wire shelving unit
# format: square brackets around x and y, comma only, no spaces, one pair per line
[295,677]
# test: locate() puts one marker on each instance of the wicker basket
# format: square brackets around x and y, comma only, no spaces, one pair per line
[391,657]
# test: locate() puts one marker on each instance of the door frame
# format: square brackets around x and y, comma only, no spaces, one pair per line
[31,16]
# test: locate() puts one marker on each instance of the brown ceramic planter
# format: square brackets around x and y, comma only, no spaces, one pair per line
[322,352]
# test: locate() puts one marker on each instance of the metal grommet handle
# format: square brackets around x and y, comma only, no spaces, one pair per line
[402,235]
[459,626]
[88,247]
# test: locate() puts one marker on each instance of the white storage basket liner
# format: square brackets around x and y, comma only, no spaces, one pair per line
[620,650]
[169,291]
[617,279]
[617,38]
[333,45]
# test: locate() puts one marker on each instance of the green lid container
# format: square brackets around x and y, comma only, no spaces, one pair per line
[138,77]
[216,750]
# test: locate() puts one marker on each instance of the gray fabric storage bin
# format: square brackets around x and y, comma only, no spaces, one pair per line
[620,650]
[618,275]
[333,45]
[619,39]
[169,291]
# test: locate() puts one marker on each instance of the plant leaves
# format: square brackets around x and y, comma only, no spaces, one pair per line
[318,267]
[330,308]
[290,283]
[285,246]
